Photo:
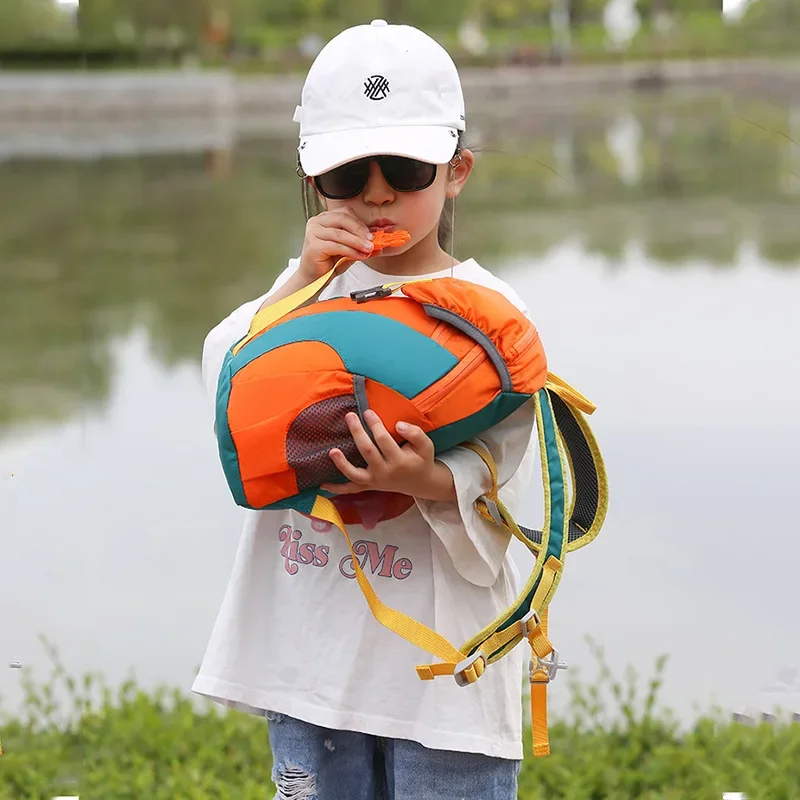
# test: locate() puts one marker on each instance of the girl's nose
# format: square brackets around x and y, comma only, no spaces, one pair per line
[377,191]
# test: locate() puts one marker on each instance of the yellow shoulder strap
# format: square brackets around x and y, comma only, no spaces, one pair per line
[264,317]
[272,313]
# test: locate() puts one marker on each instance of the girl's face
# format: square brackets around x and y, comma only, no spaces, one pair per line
[381,206]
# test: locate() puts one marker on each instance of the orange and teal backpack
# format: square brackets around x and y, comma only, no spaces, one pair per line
[450,356]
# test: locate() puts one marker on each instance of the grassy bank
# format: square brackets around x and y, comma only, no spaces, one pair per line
[163,745]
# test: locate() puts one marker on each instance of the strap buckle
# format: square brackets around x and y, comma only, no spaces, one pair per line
[463,666]
[551,665]
[527,628]
[362,295]
[494,511]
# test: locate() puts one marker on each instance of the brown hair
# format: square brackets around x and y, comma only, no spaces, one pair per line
[447,219]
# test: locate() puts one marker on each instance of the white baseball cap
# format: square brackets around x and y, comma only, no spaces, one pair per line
[379,89]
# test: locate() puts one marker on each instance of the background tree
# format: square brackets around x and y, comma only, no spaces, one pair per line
[22,20]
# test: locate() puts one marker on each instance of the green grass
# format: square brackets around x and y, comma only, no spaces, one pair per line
[162,745]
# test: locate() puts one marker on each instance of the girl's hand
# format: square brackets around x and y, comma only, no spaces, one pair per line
[410,469]
[330,236]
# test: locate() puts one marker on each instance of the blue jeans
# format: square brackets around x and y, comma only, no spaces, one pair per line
[313,763]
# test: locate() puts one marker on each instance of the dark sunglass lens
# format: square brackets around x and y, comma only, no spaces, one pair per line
[406,174]
[345,181]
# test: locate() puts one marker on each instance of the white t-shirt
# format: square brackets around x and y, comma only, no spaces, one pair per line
[295,635]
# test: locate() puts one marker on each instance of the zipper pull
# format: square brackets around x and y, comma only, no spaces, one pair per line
[362,295]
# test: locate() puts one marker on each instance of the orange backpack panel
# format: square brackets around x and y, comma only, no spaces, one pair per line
[447,355]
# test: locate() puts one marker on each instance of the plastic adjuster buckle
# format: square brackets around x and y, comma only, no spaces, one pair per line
[551,665]
[493,510]
[362,295]
[463,666]
[527,628]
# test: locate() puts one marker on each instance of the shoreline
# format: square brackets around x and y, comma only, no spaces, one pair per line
[75,96]
[88,114]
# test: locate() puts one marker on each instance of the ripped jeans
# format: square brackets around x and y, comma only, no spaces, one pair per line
[313,763]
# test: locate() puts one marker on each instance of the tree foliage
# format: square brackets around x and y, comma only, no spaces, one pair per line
[109,19]
[773,15]
[23,20]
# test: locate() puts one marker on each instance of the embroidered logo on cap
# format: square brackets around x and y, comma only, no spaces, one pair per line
[376,87]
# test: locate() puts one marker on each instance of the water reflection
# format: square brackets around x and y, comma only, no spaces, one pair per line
[624,141]
[791,181]
[655,243]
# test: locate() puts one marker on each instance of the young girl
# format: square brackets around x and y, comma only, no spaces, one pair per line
[382,120]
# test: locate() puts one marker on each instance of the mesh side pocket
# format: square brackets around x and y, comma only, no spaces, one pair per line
[314,432]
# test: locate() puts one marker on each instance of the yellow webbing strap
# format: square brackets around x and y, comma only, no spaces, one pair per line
[537,637]
[272,313]
[498,641]
[569,394]
[506,519]
[269,314]
[411,630]
[539,680]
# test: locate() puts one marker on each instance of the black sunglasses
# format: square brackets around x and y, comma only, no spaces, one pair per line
[402,174]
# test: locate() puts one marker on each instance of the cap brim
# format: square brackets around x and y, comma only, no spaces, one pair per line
[325,151]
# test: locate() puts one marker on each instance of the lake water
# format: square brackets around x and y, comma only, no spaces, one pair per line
[657,242]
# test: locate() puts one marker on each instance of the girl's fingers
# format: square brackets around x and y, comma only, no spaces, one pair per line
[345,238]
[417,439]
[372,455]
[388,446]
[325,252]
[346,221]
[356,475]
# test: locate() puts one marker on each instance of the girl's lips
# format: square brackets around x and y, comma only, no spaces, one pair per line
[382,225]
